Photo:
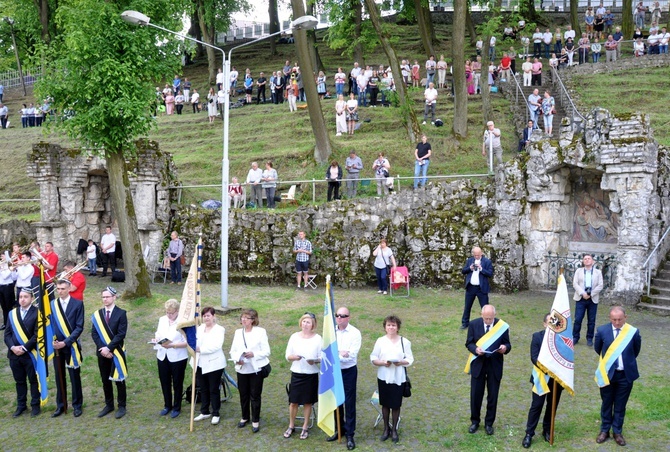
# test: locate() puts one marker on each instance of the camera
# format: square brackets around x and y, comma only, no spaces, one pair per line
[588,291]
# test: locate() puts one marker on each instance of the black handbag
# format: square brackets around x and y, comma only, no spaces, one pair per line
[265,370]
[407,386]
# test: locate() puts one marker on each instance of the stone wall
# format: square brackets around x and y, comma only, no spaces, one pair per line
[75,198]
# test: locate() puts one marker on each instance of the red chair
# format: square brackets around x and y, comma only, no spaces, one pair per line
[399,279]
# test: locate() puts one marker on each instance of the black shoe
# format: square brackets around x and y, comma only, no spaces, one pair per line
[332,438]
[175,413]
[164,411]
[526,441]
[463,327]
[102,275]
[77,412]
[3,327]
[489,429]
[105,411]
[35,411]
[120,412]
[255,429]
[575,342]
[385,435]
[58,412]
[589,343]
[546,436]
[394,436]
[242,424]
[351,445]
[19,412]
[473,428]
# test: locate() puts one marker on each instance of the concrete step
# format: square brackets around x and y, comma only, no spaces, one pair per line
[663,274]
[658,300]
[660,283]
[656,309]
[660,291]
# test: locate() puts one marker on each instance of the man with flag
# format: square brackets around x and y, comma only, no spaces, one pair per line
[21,341]
[488,342]
[552,354]
[331,389]
[618,344]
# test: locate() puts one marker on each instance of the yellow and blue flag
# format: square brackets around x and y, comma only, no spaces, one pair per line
[557,355]
[331,388]
[45,338]
[189,308]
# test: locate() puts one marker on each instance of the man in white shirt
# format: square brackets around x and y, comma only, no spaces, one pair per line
[569,33]
[195,101]
[233,80]
[219,79]
[362,82]
[348,345]
[527,68]
[547,37]
[430,96]
[492,49]
[108,250]
[7,296]
[535,102]
[254,179]
[353,76]
[665,37]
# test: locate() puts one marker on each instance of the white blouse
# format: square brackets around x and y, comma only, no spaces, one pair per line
[169,332]
[386,350]
[257,342]
[308,349]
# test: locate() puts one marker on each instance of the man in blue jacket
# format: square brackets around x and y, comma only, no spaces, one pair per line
[477,270]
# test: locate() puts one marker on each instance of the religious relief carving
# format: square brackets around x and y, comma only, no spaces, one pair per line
[593,221]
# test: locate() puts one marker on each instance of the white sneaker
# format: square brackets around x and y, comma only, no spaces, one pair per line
[338,134]
[379,291]
[215,420]
[423,123]
[385,293]
[200,417]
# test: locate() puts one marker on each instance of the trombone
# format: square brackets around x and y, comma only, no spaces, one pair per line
[64,275]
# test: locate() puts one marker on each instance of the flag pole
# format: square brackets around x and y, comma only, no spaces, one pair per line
[193,386]
[339,427]
[553,412]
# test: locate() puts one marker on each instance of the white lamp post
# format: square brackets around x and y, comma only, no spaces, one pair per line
[304,22]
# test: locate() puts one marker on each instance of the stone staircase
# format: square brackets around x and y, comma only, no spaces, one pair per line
[560,112]
[658,300]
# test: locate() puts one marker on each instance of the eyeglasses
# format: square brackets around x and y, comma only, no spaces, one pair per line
[342,316]
[312,315]
[247,318]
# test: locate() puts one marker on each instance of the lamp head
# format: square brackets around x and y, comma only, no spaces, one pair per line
[9,21]
[305,23]
[135,18]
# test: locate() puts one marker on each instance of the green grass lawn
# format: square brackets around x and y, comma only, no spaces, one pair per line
[436,417]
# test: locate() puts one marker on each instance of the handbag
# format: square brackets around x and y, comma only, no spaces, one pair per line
[407,386]
[182,259]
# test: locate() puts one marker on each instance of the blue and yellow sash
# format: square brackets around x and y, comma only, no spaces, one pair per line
[64,327]
[540,382]
[20,334]
[613,352]
[487,340]
[120,371]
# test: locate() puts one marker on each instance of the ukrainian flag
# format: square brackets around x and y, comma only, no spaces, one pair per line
[331,389]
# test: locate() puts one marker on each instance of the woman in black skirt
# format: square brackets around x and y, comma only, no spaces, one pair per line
[392,354]
[304,353]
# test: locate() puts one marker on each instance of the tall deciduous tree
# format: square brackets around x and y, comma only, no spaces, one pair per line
[408,115]
[627,21]
[425,23]
[574,17]
[322,149]
[273,12]
[460,125]
[105,71]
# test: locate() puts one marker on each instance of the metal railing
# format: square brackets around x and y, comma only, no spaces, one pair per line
[518,91]
[569,263]
[11,79]
[650,265]
[564,98]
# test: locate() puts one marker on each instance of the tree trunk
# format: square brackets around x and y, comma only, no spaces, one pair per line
[357,6]
[208,36]
[528,11]
[323,148]
[44,14]
[574,19]
[627,22]
[486,97]
[472,32]
[311,42]
[423,28]
[408,115]
[460,125]
[274,25]
[137,276]
[429,23]
[197,34]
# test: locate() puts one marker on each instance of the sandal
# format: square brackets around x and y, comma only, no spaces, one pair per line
[304,434]
[289,431]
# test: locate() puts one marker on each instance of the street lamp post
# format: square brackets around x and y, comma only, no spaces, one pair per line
[304,22]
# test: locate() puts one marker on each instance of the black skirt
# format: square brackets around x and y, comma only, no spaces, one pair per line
[304,388]
[390,395]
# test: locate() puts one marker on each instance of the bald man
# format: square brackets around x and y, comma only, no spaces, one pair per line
[477,270]
[488,342]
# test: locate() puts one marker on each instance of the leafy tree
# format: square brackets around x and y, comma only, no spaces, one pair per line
[105,71]
[348,31]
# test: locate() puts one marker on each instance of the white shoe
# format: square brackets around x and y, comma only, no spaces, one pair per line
[385,293]
[215,420]
[200,417]
[338,134]
[423,123]
[379,291]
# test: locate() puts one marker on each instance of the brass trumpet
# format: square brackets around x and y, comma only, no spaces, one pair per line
[67,274]
[37,255]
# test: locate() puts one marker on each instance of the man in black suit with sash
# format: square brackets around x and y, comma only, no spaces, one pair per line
[477,271]
[68,324]
[109,331]
[488,341]
[21,340]
[538,400]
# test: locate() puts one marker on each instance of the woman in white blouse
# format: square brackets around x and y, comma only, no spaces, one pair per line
[250,351]
[211,362]
[304,353]
[172,357]
[392,354]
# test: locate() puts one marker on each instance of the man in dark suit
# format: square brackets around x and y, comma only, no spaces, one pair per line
[525,136]
[538,400]
[23,323]
[621,371]
[486,368]
[109,331]
[68,319]
[477,271]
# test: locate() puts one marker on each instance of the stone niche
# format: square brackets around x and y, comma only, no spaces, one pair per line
[75,198]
